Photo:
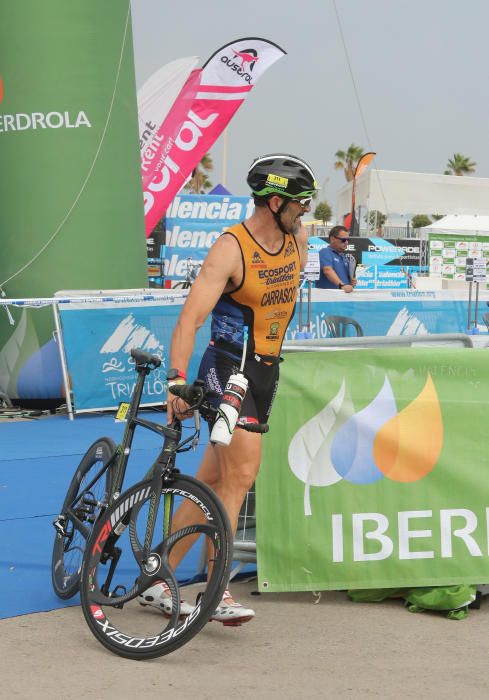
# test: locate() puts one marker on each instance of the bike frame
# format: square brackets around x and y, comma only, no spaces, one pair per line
[161,471]
[117,464]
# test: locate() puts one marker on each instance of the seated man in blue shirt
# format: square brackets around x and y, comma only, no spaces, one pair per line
[334,264]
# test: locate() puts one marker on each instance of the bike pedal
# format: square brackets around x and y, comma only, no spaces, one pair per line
[230,623]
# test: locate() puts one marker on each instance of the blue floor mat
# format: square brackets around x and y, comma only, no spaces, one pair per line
[37,461]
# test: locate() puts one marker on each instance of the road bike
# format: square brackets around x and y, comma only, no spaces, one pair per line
[127,539]
[132,543]
[96,483]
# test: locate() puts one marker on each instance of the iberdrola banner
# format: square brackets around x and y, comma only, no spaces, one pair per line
[204,107]
[71,213]
[375,470]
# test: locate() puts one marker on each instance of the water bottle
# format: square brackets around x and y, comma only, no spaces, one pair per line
[229,409]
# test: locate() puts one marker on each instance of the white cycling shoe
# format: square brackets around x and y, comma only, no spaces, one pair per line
[231,613]
[159,596]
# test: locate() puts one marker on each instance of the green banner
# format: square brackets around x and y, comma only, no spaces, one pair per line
[72,206]
[374,473]
[448,253]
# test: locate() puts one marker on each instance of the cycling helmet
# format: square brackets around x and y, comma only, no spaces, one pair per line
[285,175]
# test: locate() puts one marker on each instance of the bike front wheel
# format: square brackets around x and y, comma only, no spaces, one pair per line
[69,541]
[116,573]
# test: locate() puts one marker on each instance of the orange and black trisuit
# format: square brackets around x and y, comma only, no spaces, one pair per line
[265,302]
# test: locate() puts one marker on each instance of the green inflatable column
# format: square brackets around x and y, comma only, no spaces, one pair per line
[71,213]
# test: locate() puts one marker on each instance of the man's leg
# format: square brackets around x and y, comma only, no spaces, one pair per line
[238,467]
[230,472]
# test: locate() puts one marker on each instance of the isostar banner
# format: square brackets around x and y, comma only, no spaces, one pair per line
[375,478]
[204,107]
[155,99]
[193,223]
[157,96]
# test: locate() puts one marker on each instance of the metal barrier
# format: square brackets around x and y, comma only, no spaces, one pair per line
[245,539]
[65,298]
[359,342]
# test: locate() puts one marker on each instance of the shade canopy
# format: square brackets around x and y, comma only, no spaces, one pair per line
[459,223]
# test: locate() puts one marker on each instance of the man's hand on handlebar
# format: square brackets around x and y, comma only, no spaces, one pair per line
[184,399]
[176,407]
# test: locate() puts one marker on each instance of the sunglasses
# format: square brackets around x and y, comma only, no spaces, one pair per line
[306,202]
[342,240]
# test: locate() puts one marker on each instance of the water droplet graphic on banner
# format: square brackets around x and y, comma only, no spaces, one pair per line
[407,447]
[352,452]
[309,449]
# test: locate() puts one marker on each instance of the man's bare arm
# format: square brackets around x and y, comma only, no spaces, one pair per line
[222,263]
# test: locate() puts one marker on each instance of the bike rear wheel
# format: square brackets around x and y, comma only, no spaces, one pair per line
[114,575]
[69,542]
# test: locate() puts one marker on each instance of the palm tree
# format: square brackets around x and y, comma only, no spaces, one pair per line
[347,160]
[460,165]
[199,182]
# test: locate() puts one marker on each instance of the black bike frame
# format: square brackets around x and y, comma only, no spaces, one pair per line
[117,464]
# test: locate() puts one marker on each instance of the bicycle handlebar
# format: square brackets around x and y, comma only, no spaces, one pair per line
[255,427]
[196,396]
[191,394]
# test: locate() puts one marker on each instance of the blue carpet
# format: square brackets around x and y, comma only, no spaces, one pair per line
[37,460]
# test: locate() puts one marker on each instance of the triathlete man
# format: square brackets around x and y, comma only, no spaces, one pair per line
[249,278]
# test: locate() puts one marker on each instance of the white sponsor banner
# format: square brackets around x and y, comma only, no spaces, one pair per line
[157,95]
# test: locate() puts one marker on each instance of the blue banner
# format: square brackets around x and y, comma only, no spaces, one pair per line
[193,223]
[98,337]
[384,277]
[384,313]
[98,340]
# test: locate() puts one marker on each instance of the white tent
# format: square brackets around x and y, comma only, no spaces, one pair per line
[417,193]
[460,223]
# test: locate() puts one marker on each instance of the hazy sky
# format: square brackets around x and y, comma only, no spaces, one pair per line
[420,68]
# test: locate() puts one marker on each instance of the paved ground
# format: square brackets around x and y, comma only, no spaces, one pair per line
[293,649]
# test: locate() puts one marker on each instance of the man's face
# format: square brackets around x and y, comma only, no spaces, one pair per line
[291,216]
[339,242]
